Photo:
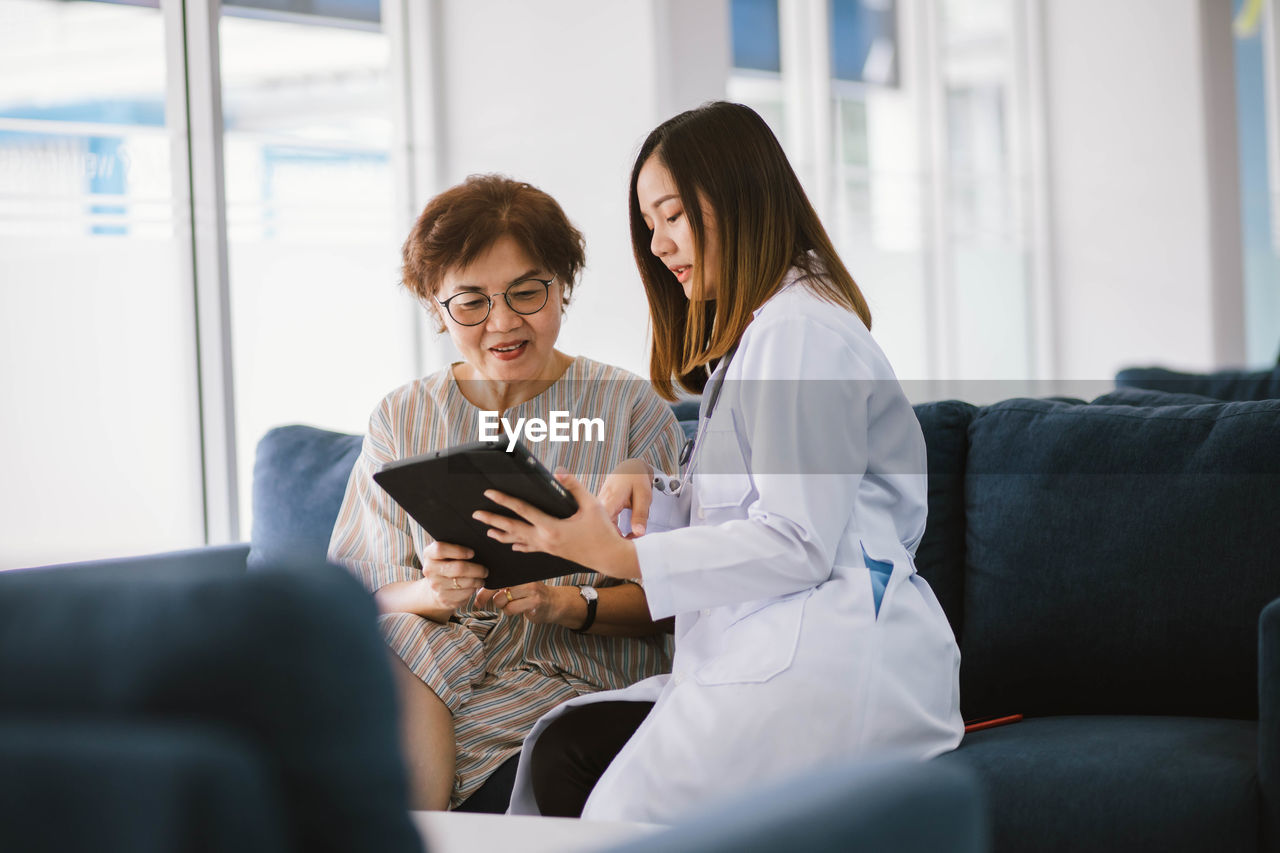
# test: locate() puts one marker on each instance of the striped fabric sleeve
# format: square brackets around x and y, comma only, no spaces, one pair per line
[371,535]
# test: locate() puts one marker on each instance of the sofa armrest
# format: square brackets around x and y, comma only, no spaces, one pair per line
[206,562]
[898,805]
[1269,723]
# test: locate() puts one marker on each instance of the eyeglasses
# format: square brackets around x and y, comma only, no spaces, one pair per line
[471,308]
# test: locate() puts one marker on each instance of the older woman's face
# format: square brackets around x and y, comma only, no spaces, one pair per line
[507,346]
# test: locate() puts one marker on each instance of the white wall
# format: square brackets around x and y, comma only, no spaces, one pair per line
[1142,159]
[563,100]
[1145,198]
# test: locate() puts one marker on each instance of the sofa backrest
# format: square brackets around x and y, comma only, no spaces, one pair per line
[940,555]
[1232,385]
[300,474]
[1117,557]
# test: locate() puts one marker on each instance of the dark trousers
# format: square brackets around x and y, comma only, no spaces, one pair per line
[574,751]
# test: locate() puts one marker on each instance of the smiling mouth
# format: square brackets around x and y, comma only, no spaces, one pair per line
[509,350]
[681,273]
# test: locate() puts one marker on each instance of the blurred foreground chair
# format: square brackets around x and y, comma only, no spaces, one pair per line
[147,710]
[885,806]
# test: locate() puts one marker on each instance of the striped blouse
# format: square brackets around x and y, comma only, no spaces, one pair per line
[499,674]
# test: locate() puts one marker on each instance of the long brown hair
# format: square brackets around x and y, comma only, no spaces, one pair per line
[724,156]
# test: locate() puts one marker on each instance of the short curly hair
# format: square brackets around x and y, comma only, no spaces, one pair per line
[463,222]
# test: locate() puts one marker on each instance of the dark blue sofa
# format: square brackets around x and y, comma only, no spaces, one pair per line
[1104,566]
[1109,569]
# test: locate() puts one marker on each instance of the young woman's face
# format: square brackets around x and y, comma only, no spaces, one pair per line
[507,346]
[672,240]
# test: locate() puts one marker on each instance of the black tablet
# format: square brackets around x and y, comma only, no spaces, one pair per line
[440,490]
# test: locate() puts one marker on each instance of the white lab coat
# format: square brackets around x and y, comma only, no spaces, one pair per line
[811,463]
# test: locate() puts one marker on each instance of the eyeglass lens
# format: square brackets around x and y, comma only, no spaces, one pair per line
[524,297]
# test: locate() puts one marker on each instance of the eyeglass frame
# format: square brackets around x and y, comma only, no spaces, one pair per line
[545,282]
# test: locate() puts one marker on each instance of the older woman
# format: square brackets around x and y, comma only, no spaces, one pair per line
[495,261]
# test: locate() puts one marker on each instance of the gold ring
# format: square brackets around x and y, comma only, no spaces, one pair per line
[455,584]
[508,592]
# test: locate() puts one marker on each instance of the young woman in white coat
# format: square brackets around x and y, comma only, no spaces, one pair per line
[784,548]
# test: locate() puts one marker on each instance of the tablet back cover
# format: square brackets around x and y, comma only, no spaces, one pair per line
[440,490]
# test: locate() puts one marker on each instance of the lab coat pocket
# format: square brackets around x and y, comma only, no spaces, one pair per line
[722,479]
[881,576]
[758,645]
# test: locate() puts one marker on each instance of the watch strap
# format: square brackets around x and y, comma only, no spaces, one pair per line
[591,614]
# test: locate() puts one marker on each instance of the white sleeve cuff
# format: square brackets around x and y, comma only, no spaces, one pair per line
[656,575]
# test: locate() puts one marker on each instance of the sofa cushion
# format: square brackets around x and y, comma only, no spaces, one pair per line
[290,663]
[1233,385]
[1129,396]
[687,409]
[940,555]
[1118,557]
[300,474]
[1118,783]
